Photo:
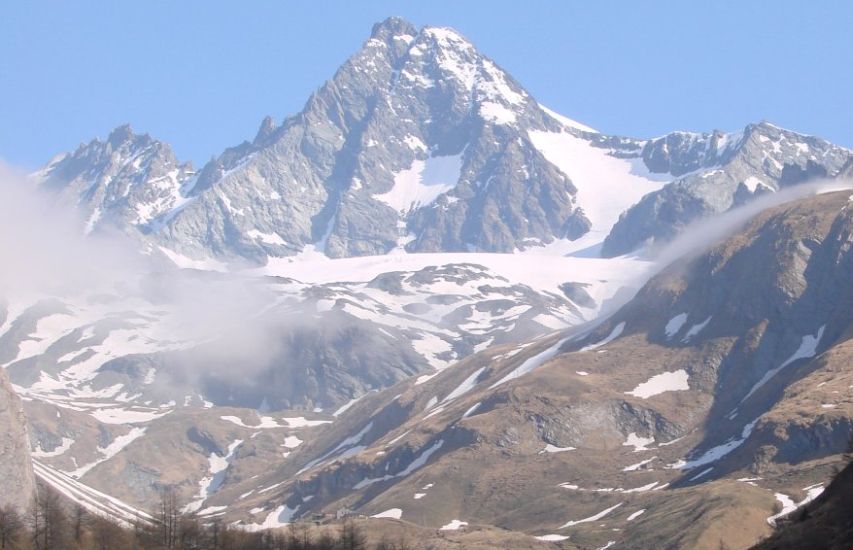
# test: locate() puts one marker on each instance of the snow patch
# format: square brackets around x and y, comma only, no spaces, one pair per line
[58,450]
[607,185]
[551,538]
[566,121]
[639,443]
[422,183]
[660,383]
[614,334]
[531,364]
[636,514]
[788,505]
[638,465]
[716,453]
[596,517]
[454,525]
[554,449]
[807,349]
[674,325]
[393,513]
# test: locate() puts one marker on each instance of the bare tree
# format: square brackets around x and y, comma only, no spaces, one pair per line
[352,537]
[11,527]
[169,516]
[79,518]
[48,522]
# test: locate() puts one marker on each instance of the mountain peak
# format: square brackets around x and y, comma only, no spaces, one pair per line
[391,27]
[120,134]
[266,129]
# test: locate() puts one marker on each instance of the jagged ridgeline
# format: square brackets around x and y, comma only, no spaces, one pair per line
[421,143]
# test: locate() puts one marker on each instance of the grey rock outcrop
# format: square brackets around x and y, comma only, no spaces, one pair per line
[420,143]
[730,170]
[127,181]
[16,470]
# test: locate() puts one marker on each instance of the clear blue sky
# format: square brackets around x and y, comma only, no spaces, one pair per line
[202,74]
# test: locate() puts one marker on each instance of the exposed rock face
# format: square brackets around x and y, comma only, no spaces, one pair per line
[16,470]
[418,141]
[731,169]
[421,143]
[128,181]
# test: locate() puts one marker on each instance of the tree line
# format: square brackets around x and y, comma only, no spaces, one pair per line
[51,523]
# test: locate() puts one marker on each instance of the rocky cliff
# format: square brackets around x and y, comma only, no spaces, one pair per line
[16,471]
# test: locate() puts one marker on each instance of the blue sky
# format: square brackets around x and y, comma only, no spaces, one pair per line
[201,75]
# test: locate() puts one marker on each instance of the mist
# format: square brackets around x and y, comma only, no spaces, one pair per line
[44,254]
[227,326]
[701,235]
[42,248]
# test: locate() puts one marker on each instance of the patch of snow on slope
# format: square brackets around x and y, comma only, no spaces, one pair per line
[280,517]
[660,383]
[466,386]
[48,330]
[472,409]
[554,449]
[788,505]
[636,514]
[184,262]
[702,473]
[674,325]
[393,513]
[566,121]
[696,329]
[596,517]
[345,407]
[497,113]
[126,416]
[550,272]
[216,474]
[454,525]
[110,450]
[716,453]
[530,364]
[614,334]
[752,183]
[301,422]
[349,446]
[607,185]
[58,450]
[638,465]
[807,349]
[552,538]
[291,442]
[639,443]
[419,462]
[268,238]
[421,184]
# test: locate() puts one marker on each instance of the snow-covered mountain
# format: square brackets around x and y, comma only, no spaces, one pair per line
[420,143]
[407,300]
[127,181]
[717,172]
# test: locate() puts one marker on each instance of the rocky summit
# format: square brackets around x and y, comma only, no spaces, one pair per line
[420,143]
[428,303]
